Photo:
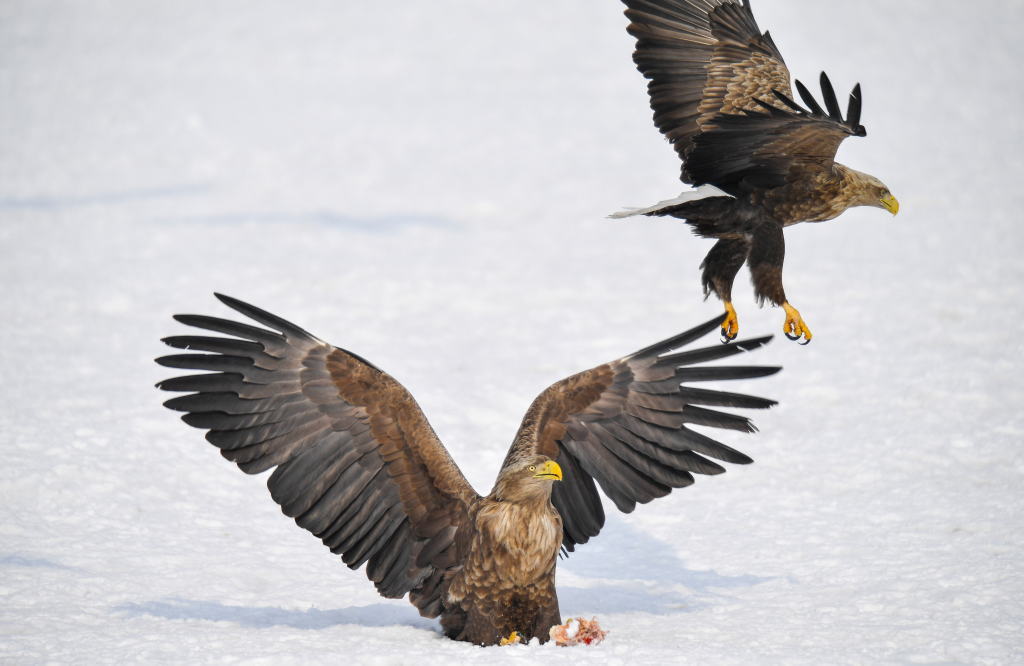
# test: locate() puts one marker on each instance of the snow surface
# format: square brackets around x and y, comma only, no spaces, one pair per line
[427,185]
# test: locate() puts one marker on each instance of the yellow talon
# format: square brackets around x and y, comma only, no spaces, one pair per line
[731,325]
[795,328]
[512,639]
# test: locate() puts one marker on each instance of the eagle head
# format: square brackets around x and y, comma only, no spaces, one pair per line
[867,190]
[527,478]
[881,197]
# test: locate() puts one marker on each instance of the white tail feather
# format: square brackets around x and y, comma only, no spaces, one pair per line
[702,192]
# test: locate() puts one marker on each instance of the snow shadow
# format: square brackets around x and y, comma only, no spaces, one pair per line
[625,569]
[374,615]
[23,559]
[625,597]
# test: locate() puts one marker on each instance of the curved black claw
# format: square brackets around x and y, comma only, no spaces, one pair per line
[794,337]
[726,338]
[806,342]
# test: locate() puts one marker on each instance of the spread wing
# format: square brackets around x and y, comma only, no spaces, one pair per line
[766,149]
[358,465]
[624,424]
[704,58]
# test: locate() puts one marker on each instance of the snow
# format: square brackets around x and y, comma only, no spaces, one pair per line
[427,184]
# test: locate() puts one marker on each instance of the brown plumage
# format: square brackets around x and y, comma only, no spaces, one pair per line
[721,94]
[359,466]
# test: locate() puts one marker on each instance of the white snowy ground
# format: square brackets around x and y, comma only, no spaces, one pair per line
[427,184]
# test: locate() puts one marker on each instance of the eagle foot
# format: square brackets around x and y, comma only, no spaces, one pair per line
[513,639]
[794,327]
[731,325]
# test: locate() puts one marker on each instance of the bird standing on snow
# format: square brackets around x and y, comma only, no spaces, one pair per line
[359,466]
[759,162]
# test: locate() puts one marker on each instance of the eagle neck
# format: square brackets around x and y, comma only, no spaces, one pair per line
[534,495]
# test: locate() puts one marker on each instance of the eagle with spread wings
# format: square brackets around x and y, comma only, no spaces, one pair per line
[758,161]
[358,465]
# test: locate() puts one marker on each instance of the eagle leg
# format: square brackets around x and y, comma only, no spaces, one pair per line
[731,325]
[794,327]
[767,253]
[720,267]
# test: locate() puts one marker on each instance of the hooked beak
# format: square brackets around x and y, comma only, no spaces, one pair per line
[549,470]
[890,203]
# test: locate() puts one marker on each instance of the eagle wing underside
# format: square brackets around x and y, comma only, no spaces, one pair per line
[624,424]
[357,463]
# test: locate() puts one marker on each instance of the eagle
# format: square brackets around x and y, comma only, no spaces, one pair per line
[358,465]
[758,161]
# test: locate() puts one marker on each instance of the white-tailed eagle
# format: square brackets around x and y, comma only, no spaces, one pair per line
[358,465]
[758,161]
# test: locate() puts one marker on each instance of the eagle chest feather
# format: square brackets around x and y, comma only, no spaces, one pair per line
[514,546]
[815,197]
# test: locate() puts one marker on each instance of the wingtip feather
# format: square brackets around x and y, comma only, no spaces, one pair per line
[684,338]
[262,316]
[829,93]
[808,98]
[853,110]
[754,343]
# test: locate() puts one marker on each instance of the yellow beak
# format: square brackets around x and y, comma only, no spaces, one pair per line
[549,470]
[890,203]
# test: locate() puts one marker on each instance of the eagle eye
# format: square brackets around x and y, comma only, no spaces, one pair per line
[533,468]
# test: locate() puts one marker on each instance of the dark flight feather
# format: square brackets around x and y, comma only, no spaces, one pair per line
[853,111]
[793,106]
[809,100]
[829,95]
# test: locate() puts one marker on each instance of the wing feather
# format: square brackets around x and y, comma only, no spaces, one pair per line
[703,58]
[580,519]
[684,460]
[648,466]
[375,538]
[623,425]
[357,463]
[721,93]
[771,146]
[387,562]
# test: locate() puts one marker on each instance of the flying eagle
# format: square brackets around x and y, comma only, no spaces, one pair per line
[758,161]
[359,466]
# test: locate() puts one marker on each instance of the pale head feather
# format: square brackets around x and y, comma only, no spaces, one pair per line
[862,189]
[516,482]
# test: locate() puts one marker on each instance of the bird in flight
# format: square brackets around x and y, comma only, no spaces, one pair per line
[358,465]
[758,161]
